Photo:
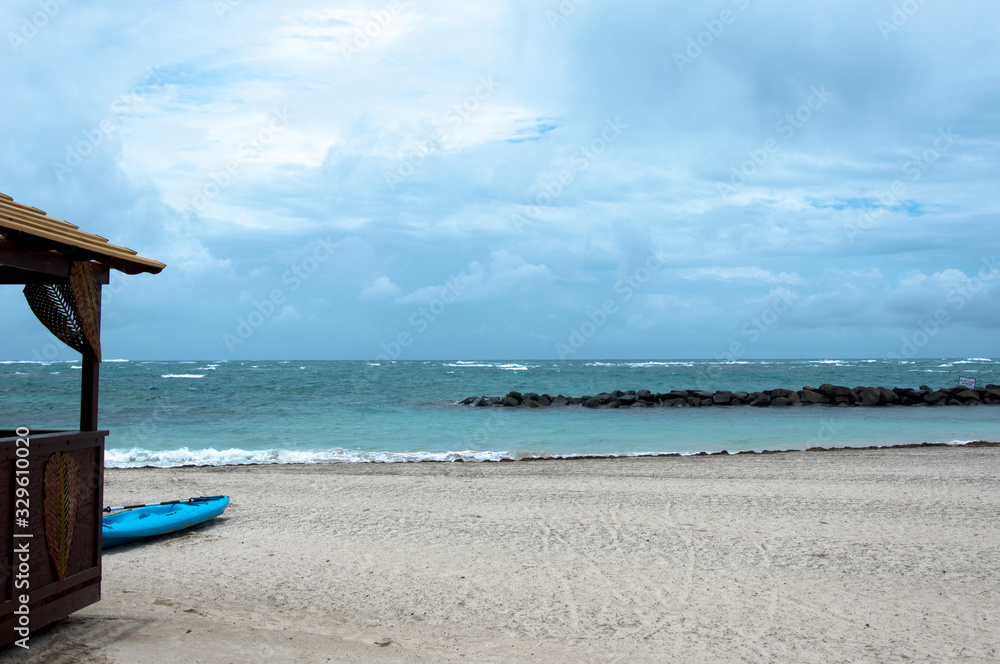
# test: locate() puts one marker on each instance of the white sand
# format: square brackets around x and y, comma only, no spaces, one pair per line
[848,556]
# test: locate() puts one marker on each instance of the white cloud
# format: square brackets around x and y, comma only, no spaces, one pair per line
[288,313]
[506,275]
[749,273]
[950,278]
[913,279]
[381,288]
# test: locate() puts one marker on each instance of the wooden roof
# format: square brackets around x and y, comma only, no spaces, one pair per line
[32,230]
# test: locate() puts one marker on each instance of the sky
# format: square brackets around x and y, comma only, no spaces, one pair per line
[736,179]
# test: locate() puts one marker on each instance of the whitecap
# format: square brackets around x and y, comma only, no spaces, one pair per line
[182,376]
[643,365]
[138,457]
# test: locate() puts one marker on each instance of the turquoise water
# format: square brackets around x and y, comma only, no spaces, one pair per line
[174,413]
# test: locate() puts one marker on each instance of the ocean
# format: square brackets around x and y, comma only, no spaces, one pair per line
[238,412]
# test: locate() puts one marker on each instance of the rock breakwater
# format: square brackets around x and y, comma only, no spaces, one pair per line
[824,395]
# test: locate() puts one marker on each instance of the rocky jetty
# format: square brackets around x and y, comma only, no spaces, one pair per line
[824,395]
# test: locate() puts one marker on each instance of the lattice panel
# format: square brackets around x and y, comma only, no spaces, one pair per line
[70,311]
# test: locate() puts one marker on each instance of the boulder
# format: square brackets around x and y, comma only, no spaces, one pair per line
[889,397]
[870,396]
[833,391]
[759,399]
[544,400]
[626,400]
[809,396]
[722,398]
[467,400]
[516,395]
[781,401]
[481,401]
[693,401]
[560,400]
[935,398]
[780,392]
[593,402]
[706,402]
[530,396]
[510,402]
[740,398]
[965,395]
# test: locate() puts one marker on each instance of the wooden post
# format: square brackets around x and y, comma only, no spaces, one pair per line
[91,378]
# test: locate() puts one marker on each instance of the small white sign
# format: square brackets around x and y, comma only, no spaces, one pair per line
[967,382]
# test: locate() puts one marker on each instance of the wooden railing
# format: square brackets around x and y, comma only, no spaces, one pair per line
[27,568]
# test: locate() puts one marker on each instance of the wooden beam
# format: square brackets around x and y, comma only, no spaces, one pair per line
[16,257]
[89,393]
[91,380]
[12,276]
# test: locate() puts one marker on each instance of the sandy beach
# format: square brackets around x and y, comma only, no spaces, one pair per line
[846,556]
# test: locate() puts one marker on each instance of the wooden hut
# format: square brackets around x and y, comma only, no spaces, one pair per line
[52,482]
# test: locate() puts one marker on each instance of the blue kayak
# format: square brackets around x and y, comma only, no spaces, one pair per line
[152,520]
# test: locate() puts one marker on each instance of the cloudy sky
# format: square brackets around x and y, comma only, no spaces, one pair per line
[517,179]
